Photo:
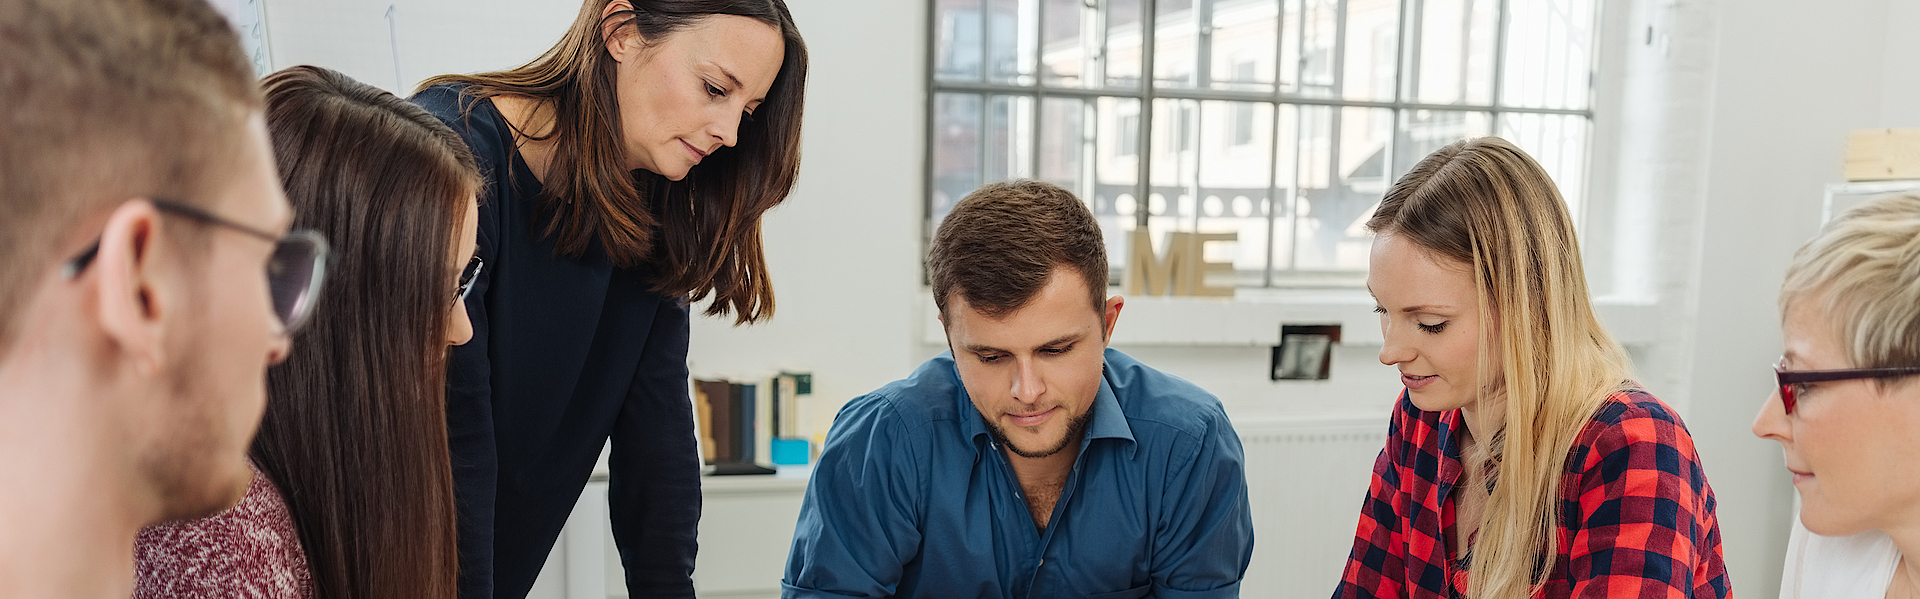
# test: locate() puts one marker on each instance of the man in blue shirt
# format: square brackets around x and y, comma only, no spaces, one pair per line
[1029,461]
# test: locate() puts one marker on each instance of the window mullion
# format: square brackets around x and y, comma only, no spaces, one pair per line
[1148,18]
[1339,63]
[1499,62]
[1273,140]
[1039,89]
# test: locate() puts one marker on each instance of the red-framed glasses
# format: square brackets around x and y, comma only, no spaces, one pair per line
[1791,379]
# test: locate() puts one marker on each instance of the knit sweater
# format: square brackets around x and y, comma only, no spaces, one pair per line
[250,551]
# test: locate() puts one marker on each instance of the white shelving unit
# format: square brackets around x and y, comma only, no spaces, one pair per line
[1841,196]
[746,526]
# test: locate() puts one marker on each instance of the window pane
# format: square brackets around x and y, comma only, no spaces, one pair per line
[1341,172]
[1372,49]
[1011,40]
[1176,43]
[956,151]
[1088,45]
[1173,142]
[1176,131]
[1065,143]
[1123,18]
[1453,58]
[1234,184]
[1086,148]
[1559,143]
[957,49]
[1309,35]
[1287,164]
[1070,47]
[1549,54]
[1241,44]
[1423,131]
[1207,180]
[1009,138]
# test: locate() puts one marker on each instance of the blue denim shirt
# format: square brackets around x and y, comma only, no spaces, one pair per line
[912,498]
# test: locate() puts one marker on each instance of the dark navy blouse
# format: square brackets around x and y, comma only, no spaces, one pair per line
[565,354]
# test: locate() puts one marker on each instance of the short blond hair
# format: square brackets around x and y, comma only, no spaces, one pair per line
[1864,268]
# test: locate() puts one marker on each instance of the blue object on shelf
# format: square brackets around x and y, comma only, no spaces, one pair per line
[791,451]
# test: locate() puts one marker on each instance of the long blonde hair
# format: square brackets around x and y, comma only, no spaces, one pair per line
[1484,203]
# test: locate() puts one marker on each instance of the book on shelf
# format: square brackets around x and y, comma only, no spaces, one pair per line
[703,421]
[745,427]
[719,397]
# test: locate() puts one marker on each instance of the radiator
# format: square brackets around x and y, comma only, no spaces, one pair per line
[1306,479]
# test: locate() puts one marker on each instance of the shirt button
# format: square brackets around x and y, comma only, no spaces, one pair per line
[1043,562]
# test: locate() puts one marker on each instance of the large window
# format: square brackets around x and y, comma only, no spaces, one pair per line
[1281,121]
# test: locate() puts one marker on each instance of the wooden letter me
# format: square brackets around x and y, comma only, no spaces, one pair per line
[1182,271]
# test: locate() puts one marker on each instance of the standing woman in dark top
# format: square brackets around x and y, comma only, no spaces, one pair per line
[628,168]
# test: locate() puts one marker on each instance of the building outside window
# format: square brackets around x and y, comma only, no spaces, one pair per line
[1280,121]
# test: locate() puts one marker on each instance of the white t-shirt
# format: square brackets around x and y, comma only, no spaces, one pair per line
[1851,567]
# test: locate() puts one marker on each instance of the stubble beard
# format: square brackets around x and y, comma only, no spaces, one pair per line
[1076,429]
[191,472]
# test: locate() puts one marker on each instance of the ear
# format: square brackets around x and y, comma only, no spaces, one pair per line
[129,278]
[1112,316]
[621,46]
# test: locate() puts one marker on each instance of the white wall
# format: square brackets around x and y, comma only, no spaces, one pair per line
[1790,78]
[394,44]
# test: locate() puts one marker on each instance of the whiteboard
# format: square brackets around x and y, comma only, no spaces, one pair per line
[395,44]
[246,18]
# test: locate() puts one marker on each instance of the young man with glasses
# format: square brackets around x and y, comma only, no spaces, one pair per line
[1031,460]
[145,281]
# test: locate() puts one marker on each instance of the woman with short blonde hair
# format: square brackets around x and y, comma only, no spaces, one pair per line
[1846,409]
[1522,460]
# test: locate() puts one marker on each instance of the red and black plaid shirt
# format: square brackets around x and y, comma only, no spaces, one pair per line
[1636,519]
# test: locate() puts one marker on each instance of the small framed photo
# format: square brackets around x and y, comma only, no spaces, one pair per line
[1305,352]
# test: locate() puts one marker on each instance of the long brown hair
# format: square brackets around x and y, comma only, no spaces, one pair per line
[700,235]
[355,431]
[1485,203]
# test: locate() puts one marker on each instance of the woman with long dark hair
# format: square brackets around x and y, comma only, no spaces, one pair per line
[629,167]
[354,436]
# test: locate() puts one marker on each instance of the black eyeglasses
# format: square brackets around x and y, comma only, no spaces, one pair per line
[1789,379]
[467,278]
[294,274]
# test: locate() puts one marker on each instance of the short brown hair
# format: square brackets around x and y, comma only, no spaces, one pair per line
[108,100]
[1000,244]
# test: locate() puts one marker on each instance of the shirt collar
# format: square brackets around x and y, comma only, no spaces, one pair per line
[1109,421]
